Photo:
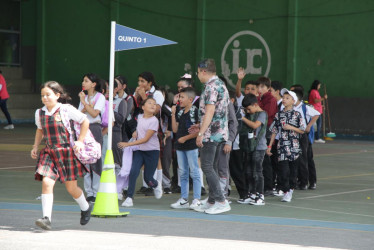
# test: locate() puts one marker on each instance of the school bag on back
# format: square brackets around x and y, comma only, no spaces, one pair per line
[311,132]
[104,114]
[92,149]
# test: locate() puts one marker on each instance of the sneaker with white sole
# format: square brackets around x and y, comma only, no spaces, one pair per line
[158,191]
[181,203]
[10,126]
[128,202]
[120,196]
[195,203]
[287,197]
[203,202]
[245,200]
[279,193]
[259,201]
[320,141]
[219,208]
[44,223]
[203,207]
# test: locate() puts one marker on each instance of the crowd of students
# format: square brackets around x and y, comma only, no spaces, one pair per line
[261,139]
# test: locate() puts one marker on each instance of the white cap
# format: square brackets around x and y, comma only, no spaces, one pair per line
[291,93]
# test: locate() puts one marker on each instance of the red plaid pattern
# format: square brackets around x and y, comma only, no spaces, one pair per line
[57,160]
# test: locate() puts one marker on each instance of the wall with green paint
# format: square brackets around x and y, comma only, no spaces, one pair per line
[326,40]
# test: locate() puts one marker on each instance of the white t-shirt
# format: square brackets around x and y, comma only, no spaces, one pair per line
[99,105]
[73,114]
[310,112]
[157,95]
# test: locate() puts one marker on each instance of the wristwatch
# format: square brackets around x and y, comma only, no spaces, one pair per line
[200,134]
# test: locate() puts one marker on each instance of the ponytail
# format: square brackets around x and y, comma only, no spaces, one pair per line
[57,89]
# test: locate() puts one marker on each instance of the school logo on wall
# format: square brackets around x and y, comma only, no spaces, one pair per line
[245,49]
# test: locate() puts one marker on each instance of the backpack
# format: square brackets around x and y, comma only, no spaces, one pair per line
[131,121]
[311,132]
[247,144]
[104,114]
[92,149]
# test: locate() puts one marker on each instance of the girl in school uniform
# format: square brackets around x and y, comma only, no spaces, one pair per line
[148,153]
[57,160]
[92,104]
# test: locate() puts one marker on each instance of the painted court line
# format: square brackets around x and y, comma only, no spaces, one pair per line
[205,217]
[327,211]
[345,176]
[333,194]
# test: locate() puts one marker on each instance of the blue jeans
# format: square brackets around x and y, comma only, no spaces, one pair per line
[319,127]
[150,161]
[187,161]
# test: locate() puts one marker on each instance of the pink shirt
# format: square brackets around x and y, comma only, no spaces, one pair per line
[145,124]
[314,94]
[3,91]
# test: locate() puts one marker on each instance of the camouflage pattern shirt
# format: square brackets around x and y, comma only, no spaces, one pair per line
[215,92]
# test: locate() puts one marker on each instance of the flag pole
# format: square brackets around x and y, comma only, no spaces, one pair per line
[111,81]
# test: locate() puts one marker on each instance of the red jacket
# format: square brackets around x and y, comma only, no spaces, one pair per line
[269,104]
[3,91]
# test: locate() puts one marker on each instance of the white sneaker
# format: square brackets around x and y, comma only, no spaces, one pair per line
[279,193]
[249,198]
[259,201]
[287,197]
[205,201]
[158,191]
[120,196]
[181,203]
[195,203]
[203,207]
[128,202]
[218,208]
[10,126]
[319,141]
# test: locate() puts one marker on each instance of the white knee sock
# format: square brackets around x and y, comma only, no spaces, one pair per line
[159,175]
[47,204]
[144,184]
[83,204]
[201,177]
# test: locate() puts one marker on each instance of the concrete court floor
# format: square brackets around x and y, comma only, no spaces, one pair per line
[339,214]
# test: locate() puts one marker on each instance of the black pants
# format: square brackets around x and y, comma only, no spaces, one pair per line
[274,163]
[253,169]
[307,168]
[267,171]
[166,157]
[4,108]
[288,174]
[237,172]
[174,179]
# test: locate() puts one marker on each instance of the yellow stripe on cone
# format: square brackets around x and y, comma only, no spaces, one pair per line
[106,204]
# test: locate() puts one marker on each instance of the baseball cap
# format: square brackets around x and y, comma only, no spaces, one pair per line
[291,93]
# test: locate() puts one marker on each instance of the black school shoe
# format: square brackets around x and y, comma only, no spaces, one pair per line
[149,192]
[44,223]
[167,191]
[86,215]
[91,199]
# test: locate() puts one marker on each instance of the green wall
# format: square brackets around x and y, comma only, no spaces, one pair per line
[326,40]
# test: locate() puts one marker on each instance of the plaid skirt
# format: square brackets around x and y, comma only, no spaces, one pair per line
[59,163]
